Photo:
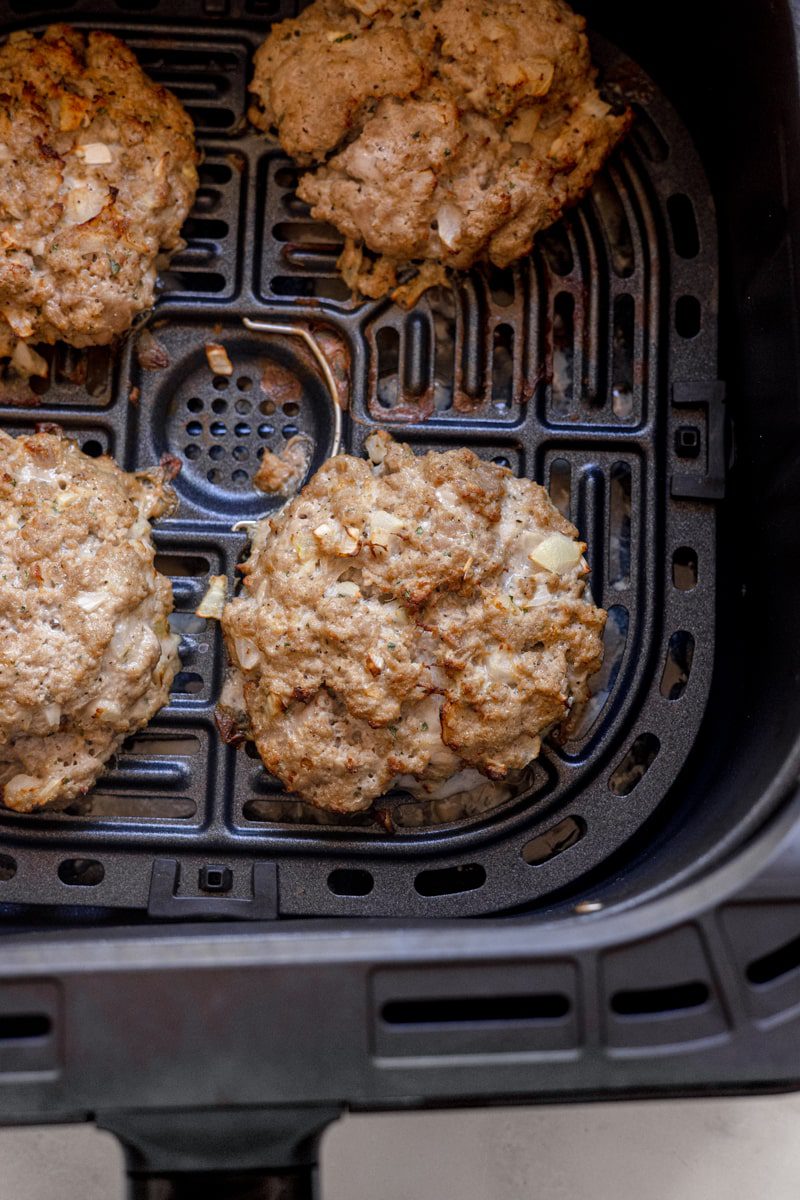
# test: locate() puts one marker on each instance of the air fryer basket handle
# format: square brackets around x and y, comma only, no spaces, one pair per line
[225,1185]
[224,1154]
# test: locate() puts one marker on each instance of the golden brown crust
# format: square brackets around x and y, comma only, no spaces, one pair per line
[394,624]
[445,132]
[97,175]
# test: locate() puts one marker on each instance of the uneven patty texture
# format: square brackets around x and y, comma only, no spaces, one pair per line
[97,174]
[405,620]
[443,131]
[86,653]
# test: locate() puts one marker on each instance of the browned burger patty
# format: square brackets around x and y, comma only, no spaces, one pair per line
[405,619]
[97,174]
[86,654]
[446,131]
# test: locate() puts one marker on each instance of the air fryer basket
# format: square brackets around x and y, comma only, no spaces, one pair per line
[639,900]
[591,366]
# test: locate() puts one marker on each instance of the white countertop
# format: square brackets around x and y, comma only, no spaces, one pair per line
[678,1150]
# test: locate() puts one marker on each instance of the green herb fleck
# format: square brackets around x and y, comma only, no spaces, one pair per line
[447,153]
[424,726]
[115,268]
[420,529]
[346,37]
[393,730]
[392,645]
[417,133]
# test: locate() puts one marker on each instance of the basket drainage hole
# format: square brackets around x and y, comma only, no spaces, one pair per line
[195,404]
[635,765]
[192,451]
[218,429]
[81,872]
[219,406]
[239,453]
[658,1001]
[291,409]
[93,448]
[8,868]
[216,452]
[449,881]
[350,882]
[561,485]
[684,569]
[770,966]
[220,382]
[553,841]
[680,653]
[684,226]
[244,383]
[240,478]
[194,428]
[243,407]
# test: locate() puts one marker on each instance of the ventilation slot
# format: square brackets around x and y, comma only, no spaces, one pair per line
[476,1010]
[563,353]
[388,344]
[651,1002]
[561,485]
[685,237]
[176,565]
[503,367]
[24,1027]
[81,872]
[442,305]
[449,881]
[635,765]
[684,569]
[187,683]
[8,868]
[350,882]
[619,527]
[554,841]
[615,637]
[622,358]
[776,964]
[615,222]
[322,289]
[556,249]
[501,286]
[687,316]
[678,665]
[648,137]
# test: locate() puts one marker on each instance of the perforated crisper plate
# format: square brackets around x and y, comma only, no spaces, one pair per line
[591,366]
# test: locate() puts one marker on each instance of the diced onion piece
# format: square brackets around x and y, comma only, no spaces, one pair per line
[83,204]
[449,218]
[27,362]
[377,444]
[94,153]
[500,665]
[346,587]
[89,601]
[382,525]
[246,652]
[218,360]
[215,598]
[557,553]
[52,714]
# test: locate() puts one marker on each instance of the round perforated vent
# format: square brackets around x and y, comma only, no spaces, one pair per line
[220,425]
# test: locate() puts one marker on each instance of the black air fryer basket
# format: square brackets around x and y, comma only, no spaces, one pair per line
[186,958]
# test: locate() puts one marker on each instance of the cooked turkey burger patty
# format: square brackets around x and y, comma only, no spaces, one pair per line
[405,619]
[438,130]
[86,653]
[97,174]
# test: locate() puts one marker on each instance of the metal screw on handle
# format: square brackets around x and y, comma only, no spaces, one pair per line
[225,1185]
